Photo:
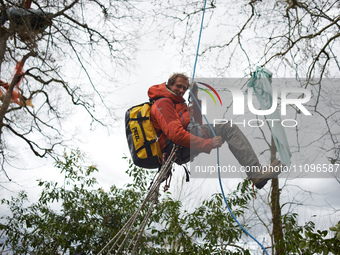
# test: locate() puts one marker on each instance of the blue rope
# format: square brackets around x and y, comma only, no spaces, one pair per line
[218,151]
[220,181]
[226,202]
[199,41]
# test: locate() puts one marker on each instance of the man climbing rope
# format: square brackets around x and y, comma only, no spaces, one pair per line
[171,118]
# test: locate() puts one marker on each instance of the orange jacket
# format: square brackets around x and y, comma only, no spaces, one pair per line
[170,115]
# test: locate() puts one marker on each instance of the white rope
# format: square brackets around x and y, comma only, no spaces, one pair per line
[152,196]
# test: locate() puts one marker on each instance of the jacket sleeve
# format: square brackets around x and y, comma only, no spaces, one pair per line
[164,113]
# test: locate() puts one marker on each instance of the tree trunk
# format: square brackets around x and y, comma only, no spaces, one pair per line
[276,209]
[3,39]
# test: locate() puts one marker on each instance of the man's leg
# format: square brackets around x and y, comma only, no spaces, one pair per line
[244,153]
[237,142]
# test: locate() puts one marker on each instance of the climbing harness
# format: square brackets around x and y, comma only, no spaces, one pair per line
[151,197]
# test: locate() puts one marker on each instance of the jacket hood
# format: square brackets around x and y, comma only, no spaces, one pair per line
[159,91]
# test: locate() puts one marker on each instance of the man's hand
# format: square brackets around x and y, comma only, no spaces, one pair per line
[217,142]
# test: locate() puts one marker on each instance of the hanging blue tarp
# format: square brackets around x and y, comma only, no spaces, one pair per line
[261,82]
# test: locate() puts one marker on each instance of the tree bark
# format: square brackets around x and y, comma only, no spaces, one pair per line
[276,209]
[3,39]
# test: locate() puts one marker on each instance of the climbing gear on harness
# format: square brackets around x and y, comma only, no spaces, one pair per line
[142,137]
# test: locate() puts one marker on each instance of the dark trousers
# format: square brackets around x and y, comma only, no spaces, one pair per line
[237,142]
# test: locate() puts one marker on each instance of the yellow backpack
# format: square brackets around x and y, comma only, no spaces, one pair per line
[142,137]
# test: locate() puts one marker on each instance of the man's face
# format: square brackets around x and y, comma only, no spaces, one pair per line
[180,86]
